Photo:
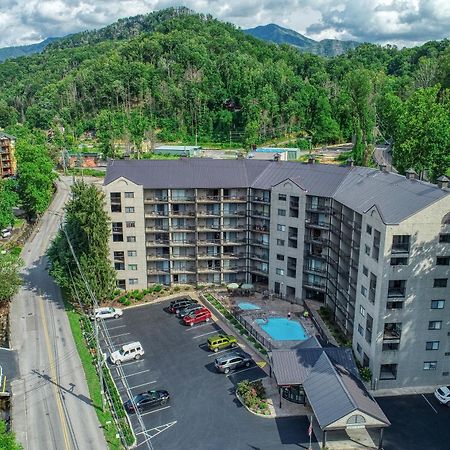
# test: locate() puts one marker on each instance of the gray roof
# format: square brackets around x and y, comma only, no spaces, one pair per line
[7,136]
[334,392]
[359,188]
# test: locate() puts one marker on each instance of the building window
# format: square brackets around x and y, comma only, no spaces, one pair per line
[390,346]
[400,243]
[292,267]
[282,197]
[372,287]
[129,209]
[132,281]
[443,261]
[444,238]
[132,253]
[121,284]
[119,260]
[292,237]
[293,206]
[368,229]
[435,324]
[394,305]
[367,250]
[388,372]
[116,202]
[430,365]
[364,291]
[281,227]
[402,261]
[356,419]
[280,242]
[432,345]
[369,325]
[397,288]
[129,194]
[358,348]
[365,271]
[360,330]
[131,224]
[281,212]
[362,310]
[132,266]
[279,271]
[117,231]
[131,238]
[437,304]
[280,257]
[376,245]
[440,282]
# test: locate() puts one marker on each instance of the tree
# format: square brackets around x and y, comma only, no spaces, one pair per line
[8,199]
[35,177]
[87,227]
[10,280]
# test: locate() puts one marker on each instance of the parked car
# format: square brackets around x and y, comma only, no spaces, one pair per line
[443,395]
[180,303]
[6,232]
[106,313]
[127,352]
[201,315]
[231,361]
[147,400]
[188,309]
[220,341]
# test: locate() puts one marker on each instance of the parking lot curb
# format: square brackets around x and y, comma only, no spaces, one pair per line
[232,327]
[272,415]
[162,299]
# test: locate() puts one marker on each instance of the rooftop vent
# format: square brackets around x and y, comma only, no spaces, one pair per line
[411,174]
[442,182]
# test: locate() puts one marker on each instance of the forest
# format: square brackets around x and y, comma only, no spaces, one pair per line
[182,76]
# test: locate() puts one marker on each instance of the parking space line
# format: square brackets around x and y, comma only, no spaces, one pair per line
[200,326]
[431,406]
[222,351]
[156,410]
[136,373]
[114,328]
[243,370]
[143,384]
[119,335]
[204,334]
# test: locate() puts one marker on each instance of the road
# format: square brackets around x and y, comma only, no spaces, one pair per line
[383,156]
[51,408]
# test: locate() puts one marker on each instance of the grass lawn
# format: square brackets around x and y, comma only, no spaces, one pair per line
[87,172]
[92,379]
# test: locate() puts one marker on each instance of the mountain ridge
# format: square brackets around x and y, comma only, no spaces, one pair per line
[25,50]
[280,35]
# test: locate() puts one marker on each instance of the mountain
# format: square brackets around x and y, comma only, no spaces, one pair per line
[279,35]
[24,50]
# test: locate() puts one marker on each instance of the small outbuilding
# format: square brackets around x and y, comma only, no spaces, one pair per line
[178,150]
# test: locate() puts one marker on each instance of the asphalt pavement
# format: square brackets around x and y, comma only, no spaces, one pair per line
[203,413]
[51,408]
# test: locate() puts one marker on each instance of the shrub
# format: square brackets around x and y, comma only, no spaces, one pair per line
[122,300]
[177,288]
[117,292]
[157,288]
[127,302]
[365,373]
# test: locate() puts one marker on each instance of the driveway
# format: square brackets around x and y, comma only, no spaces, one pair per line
[418,422]
[203,412]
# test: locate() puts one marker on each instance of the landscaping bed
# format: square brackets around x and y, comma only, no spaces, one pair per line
[253,396]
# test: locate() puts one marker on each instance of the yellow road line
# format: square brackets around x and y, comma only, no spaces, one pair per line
[53,375]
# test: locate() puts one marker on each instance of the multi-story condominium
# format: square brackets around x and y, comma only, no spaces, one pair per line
[7,159]
[371,245]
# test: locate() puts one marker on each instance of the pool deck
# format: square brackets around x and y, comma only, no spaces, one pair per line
[268,308]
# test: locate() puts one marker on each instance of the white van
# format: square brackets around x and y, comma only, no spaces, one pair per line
[127,352]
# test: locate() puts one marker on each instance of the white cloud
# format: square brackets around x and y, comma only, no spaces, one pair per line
[394,21]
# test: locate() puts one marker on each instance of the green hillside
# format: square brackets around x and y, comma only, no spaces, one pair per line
[24,50]
[185,76]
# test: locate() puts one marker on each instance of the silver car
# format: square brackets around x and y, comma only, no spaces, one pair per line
[188,309]
[231,361]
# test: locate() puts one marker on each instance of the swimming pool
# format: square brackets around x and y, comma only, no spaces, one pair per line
[281,329]
[246,306]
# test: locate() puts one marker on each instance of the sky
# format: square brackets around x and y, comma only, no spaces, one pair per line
[400,22]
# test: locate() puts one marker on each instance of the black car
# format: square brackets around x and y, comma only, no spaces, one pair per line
[188,309]
[147,400]
[179,304]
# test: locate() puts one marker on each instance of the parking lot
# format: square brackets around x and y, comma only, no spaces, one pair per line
[418,422]
[203,412]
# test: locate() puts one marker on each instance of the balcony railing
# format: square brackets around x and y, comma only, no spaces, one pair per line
[314,269]
[400,248]
[260,213]
[396,292]
[161,199]
[260,199]
[318,208]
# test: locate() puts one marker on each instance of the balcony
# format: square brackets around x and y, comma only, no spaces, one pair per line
[204,213]
[208,198]
[157,243]
[184,269]
[150,214]
[260,243]
[209,270]
[234,198]
[233,255]
[392,335]
[183,243]
[150,200]
[157,271]
[316,285]
[238,227]
[157,257]
[156,229]
[263,200]
[317,224]
[318,208]
[183,199]
[184,213]
[204,255]
[203,242]
[186,257]
[260,213]
[314,269]
[400,248]
[260,271]
[260,229]
[259,257]
[233,269]
[187,228]
[234,213]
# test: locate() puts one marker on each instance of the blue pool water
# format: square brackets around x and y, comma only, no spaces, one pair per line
[281,329]
[246,306]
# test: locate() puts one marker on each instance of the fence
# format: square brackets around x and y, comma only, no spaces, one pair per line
[252,331]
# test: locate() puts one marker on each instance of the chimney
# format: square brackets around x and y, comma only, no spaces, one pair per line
[442,182]
[350,162]
[311,159]
[383,167]
[411,174]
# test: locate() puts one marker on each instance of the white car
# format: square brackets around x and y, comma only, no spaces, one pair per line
[127,352]
[443,395]
[6,232]
[107,313]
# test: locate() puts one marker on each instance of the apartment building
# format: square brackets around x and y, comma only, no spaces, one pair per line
[371,245]
[7,159]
